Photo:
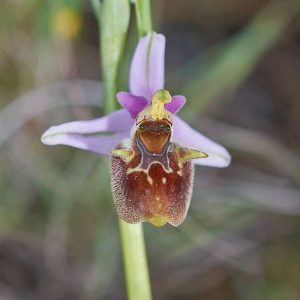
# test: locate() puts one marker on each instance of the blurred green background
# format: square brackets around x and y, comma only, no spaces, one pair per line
[238,63]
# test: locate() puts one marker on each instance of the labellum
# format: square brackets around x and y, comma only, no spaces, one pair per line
[152,177]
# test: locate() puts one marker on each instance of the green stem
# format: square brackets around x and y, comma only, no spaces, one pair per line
[132,236]
[112,44]
[135,261]
[143,17]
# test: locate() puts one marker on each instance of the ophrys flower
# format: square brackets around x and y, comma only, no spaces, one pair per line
[153,152]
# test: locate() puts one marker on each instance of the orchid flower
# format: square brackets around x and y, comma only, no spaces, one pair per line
[153,151]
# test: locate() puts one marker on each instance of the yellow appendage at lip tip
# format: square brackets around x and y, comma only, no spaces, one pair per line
[158,221]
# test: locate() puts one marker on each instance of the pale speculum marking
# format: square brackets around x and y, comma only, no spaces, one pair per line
[147,160]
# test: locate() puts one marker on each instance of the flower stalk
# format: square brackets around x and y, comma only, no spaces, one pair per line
[135,261]
[132,236]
